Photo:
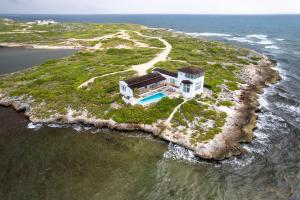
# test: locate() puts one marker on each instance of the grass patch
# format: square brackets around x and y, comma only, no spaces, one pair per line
[138,114]
[226,103]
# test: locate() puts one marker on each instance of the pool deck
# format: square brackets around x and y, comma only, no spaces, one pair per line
[170,91]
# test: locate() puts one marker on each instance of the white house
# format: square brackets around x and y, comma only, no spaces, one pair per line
[188,80]
[141,83]
[191,81]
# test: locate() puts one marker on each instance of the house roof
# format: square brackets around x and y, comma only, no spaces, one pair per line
[142,81]
[187,82]
[191,70]
[173,74]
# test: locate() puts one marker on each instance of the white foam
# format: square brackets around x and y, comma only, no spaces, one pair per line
[272,47]
[240,39]
[279,39]
[87,128]
[255,149]
[294,110]
[281,71]
[214,34]
[263,103]
[56,126]
[208,34]
[35,126]
[257,36]
[265,42]
[177,152]
[263,39]
[238,163]
[77,128]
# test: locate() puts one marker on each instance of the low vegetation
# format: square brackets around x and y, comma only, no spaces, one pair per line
[200,120]
[53,86]
[149,115]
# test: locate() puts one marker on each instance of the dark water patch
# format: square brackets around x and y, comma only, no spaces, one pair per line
[11,121]
[15,59]
[54,163]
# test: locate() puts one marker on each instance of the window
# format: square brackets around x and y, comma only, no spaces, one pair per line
[190,76]
[186,88]
[198,86]
[197,76]
[172,81]
[123,87]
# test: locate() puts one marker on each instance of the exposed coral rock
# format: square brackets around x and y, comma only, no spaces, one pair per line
[238,128]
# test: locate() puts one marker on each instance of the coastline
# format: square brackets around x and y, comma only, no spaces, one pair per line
[238,127]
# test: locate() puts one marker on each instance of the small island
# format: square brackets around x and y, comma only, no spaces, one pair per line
[196,93]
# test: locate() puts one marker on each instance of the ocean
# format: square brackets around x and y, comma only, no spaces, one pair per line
[87,163]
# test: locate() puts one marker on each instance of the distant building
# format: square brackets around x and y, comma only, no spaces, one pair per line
[42,22]
[188,81]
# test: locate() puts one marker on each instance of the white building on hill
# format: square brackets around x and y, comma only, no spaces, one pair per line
[188,81]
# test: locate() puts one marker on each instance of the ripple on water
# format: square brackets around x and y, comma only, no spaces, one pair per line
[239,162]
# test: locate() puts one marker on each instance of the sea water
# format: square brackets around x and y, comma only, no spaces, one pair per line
[62,163]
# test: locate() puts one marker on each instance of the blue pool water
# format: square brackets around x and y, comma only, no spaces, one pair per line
[153,98]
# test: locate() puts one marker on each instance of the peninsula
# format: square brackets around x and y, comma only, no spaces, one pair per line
[210,111]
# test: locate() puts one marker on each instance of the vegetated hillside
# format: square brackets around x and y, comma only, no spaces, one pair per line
[52,87]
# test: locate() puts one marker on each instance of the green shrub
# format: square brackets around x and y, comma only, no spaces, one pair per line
[255,58]
[226,103]
[138,114]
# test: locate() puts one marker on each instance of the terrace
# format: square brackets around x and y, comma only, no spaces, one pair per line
[153,95]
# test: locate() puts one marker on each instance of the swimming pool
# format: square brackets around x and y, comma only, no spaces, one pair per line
[151,99]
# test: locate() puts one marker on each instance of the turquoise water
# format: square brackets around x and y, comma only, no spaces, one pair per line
[153,98]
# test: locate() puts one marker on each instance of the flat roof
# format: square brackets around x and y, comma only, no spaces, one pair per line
[166,72]
[142,81]
[192,70]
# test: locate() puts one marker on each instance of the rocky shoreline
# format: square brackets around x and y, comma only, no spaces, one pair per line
[238,128]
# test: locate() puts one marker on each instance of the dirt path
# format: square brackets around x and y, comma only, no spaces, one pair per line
[98,38]
[85,84]
[142,68]
[168,121]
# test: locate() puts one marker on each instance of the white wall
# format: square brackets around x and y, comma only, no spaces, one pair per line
[168,78]
[128,92]
[181,76]
[193,92]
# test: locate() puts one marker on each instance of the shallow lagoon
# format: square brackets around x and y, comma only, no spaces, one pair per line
[14,59]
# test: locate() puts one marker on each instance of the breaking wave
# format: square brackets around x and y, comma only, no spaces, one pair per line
[210,34]
[205,34]
[238,163]
[35,126]
[272,47]
[177,152]
[257,36]
[240,39]
[252,39]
